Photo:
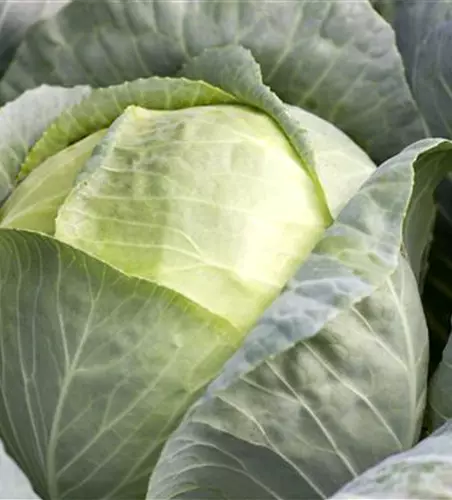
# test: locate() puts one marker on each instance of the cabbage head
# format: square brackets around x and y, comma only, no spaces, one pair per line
[205,292]
[211,202]
[207,289]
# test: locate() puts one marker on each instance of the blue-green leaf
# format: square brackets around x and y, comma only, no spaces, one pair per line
[423,472]
[16,18]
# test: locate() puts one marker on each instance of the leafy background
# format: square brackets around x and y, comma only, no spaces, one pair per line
[370,76]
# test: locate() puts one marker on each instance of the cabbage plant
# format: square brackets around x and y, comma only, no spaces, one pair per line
[208,288]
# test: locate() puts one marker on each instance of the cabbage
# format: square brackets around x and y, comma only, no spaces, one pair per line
[208,290]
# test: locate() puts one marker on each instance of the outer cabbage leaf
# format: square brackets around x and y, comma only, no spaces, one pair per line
[423,473]
[16,18]
[270,423]
[335,58]
[423,32]
[296,425]
[91,367]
